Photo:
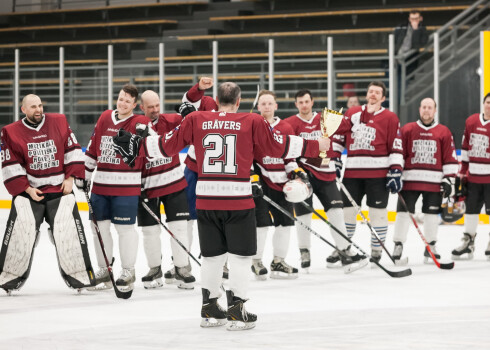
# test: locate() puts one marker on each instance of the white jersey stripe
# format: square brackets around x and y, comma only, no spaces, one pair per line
[119,178]
[223,188]
[75,155]
[364,162]
[13,171]
[464,156]
[278,177]
[158,180]
[295,146]
[44,181]
[450,169]
[479,169]
[423,176]
[153,147]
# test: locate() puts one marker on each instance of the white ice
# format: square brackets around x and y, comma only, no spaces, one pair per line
[324,309]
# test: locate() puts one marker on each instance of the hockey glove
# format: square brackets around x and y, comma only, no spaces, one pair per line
[394,180]
[461,186]
[256,186]
[82,184]
[185,108]
[338,167]
[298,172]
[127,145]
[447,187]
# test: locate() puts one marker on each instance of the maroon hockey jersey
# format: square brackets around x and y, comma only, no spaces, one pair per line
[310,130]
[113,176]
[225,145]
[41,157]
[475,149]
[373,142]
[162,176]
[429,155]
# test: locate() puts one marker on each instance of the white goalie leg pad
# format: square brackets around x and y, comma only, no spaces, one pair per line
[470,223]
[379,221]
[68,237]
[190,232]
[179,229]
[336,218]
[212,272]
[261,238]
[152,245]
[19,239]
[350,219]
[280,241]
[304,236]
[128,245]
[105,232]
[431,225]
[239,278]
[402,224]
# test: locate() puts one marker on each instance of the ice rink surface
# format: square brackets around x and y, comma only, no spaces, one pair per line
[324,309]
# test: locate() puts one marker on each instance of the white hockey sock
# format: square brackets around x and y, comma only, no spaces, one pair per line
[179,229]
[379,221]
[350,218]
[105,232]
[128,245]
[402,224]
[470,223]
[239,278]
[280,241]
[190,232]
[211,274]
[304,236]
[152,245]
[431,225]
[336,218]
[261,238]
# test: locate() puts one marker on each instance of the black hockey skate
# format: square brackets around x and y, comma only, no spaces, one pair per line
[352,261]
[126,279]
[397,255]
[153,279]
[375,257]
[184,277]
[305,258]
[239,318]
[467,247]
[259,270]
[226,272]
[427,257]
[333,260]
[281,270]
[487,252]
[212,315]
[102,279]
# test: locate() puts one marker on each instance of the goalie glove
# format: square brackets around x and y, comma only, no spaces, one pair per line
[127,145]
[256,186]
[338,167]
[394,180]
[447,187]
[82,184]
[185,108]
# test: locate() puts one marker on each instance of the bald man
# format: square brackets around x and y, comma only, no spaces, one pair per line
[40,158]
[430,169]
[164,182]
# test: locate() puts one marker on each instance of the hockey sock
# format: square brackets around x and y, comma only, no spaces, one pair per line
[128,245]
[261,237]
[350,217]
[379,221]
[470,223]
[280,241]
[190,232]
[152,245]
[304,236]
[105,232]
[402,225]
[212,272]
[431,224]
[239,274]
[179,229]
[336,218]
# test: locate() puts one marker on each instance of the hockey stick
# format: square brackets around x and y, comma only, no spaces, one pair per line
[395,274]
[291,216]
[256,99]
[119,293]
[373,231]
[443,266]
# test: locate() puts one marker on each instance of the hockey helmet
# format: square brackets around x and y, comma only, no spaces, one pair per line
[453,211]
[297,190]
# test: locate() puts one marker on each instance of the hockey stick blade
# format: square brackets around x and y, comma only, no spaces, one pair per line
[446,266]
[395,274]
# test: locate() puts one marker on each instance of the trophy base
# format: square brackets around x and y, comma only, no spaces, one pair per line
[318,162]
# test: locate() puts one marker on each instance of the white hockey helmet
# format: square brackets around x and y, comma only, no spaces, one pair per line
[297,190]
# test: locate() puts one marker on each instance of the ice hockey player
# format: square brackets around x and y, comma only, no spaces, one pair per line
[306,124]
[373,167]
[475,177]
[430,167]
[116,188]
[40,159]
[163,182]
[225,142]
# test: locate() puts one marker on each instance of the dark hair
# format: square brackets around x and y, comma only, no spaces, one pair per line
[414,11]
[302,93]
[267,92]
[379,84]
[131,90]
[486,96]
[228,93]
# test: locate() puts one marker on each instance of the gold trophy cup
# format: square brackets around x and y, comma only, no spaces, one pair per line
[329,123]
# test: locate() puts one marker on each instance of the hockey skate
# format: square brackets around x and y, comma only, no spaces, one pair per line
[225,272]
[102,280]
[170,275]
[259,270]
[352,261]
[126,279]
[487,252]
[375,257]
[239,318]
[467,247]
[305,258]
[153,279]
[397,255]
[184,278]
[212,314]
[333,260]
[427,257]
[281,270]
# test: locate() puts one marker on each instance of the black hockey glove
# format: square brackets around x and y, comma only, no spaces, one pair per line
[338,167]
[447,187]
[256,186]
[394,180]
[298,172]
[186,108]
[82,184]
[127,145]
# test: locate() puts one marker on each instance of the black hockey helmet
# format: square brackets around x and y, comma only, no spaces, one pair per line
[453,211]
